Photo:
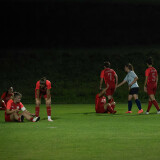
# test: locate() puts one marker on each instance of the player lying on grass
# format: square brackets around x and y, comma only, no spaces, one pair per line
[100,103]
[110,77]
[131,78]
[14,106]
[6,96]
[150,85]
[43,87]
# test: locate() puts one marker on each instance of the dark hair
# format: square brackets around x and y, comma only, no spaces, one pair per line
[129,66]
[7,91]
[150,61]
[43,81]
[107,64]
[17,94]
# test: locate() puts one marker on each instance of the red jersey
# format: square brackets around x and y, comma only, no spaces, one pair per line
[43,90]
[6,97]
[11,105]
[109,76]
[100,102]
[151,73]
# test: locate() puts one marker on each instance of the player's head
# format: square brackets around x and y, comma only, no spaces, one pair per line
[128,67]
[17,97]
[10,90]
[107,64]
[149,61]
[43,82]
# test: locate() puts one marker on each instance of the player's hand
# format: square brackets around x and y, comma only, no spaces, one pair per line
[145,89]
[17,110]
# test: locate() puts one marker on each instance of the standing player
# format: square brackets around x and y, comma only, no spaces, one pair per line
[100,103]
[110,77]
[150,85]
[6,96]
[43,87]
[131,78]
[14,106]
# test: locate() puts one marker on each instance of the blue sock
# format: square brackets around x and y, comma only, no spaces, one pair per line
[138,104]
[129,105]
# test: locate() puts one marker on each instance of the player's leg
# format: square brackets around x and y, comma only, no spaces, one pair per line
[37,108]
[149,105]
[15,117]
[29,117]
[129,103]
[48,107]
[138,103]
[154,102]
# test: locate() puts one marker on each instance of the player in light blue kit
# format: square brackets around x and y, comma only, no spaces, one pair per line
[131,78]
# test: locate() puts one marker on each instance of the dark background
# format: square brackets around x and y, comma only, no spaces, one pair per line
[67,41]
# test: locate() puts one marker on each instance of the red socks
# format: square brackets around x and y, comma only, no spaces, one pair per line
[155,104]
[110,109]
[31,119]
[37,111]
[49,110]
[149,106]
[111,101]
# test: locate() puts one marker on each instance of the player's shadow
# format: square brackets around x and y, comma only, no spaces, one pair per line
[55,118]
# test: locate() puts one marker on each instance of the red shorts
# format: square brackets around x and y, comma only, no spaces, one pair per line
[151,89]
[110,91]
[41,94]
[7,118]
[100,109]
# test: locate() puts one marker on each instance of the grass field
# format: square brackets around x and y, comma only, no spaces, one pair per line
[78,133]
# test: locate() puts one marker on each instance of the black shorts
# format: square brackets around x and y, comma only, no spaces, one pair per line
[134,91]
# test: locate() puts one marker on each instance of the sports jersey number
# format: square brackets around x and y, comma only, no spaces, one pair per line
[153,77]
[110,76]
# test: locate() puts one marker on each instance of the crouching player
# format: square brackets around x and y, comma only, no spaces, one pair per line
[150,85]
[14,106]
[100,103]
[43,87]
[6,96]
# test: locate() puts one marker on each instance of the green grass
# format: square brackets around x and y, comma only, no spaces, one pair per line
[78,133]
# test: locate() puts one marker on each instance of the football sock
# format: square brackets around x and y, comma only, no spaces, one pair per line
[149,106]
[37,111]
[129,105]
[49,110]
[138,104]
[110,109]
[19,119]
[155,104]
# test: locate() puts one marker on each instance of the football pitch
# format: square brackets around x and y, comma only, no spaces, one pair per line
[78,133]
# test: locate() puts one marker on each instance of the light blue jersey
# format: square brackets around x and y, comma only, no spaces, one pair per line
[130,78]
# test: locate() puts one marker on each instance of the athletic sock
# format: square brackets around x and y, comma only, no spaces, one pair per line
[138,104]
[155,104]
[129,105]
[149,106]
[37,111]
[19,119]
[110,109]
[49,111]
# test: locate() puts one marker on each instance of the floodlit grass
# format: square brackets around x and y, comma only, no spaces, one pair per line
[78,133]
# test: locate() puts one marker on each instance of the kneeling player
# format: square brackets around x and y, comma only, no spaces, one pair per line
[14,106]
[43,87]
[6,96]
[100,103]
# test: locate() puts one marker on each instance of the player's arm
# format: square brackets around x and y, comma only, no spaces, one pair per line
[122,83]
[145,83]
[8,111]
[48,94]
[116,77]
[103,91]
[134,81]
[157,79]
[101,82]
[38,93]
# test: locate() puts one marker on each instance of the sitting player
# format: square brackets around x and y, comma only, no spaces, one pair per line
[43,87]
[14,106]
[100,103]
[6,96]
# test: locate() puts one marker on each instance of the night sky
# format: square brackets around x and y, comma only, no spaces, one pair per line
[78,24]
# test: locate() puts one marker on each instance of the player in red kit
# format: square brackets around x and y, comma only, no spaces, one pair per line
[100,103]
[43,87]
[110,77]
[14,106]
[6,96]
[150,85]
